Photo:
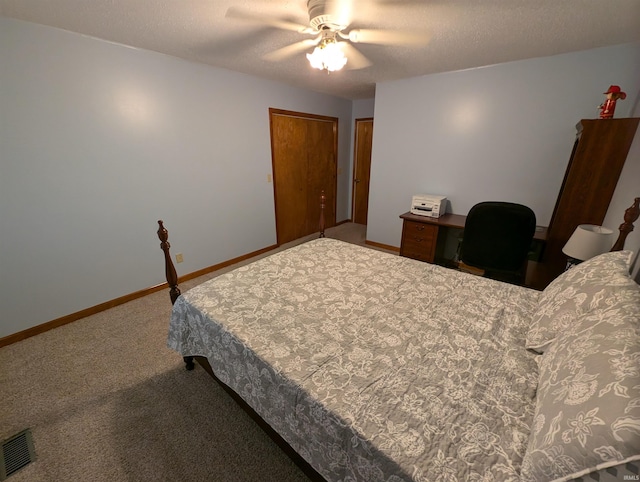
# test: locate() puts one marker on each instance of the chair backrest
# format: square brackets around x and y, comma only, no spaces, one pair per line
[497,236]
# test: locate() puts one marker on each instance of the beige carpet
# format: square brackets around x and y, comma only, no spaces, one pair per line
[106,400]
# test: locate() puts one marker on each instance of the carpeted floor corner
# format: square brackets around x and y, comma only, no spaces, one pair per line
[106,400]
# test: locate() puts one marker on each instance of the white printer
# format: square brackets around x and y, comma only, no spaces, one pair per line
[428,205]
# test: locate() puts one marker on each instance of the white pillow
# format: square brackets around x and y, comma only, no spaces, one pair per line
[587,413]
[579,290]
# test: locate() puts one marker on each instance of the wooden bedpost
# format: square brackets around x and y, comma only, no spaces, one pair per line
[630,216]
[169,268]
[323,200]
[172,277]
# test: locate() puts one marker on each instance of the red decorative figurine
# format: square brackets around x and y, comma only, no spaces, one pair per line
[609,106]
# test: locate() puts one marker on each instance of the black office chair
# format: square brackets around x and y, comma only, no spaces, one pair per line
[496,240]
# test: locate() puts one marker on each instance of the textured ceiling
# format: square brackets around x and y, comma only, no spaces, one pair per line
[463,33]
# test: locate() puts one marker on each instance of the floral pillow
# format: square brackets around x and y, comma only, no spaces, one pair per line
[587,413]
[588,286]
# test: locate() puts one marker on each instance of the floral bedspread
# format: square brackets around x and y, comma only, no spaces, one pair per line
[372,366]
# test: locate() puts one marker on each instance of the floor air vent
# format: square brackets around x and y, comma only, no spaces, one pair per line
[17,452]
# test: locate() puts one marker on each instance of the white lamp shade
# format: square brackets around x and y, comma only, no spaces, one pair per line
[588,241]
[328,56]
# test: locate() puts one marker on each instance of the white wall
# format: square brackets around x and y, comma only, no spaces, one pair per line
[502,132]
[98,141]
[363,108]
[627,189]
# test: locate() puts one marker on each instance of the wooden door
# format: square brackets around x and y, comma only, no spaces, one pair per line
[361,169]
[304,154]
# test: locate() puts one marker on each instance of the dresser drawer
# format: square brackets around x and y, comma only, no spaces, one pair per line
[419,241]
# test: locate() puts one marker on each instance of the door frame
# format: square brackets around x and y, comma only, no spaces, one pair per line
[303,115]
[355,164]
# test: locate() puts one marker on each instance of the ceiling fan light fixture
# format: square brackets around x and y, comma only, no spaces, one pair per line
[325,13]
[327,56]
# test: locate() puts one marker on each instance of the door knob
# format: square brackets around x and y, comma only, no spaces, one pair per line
[356,180]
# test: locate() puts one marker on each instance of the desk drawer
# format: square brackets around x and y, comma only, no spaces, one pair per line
[419,241]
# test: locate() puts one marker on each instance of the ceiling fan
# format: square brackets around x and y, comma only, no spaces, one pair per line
[329,22]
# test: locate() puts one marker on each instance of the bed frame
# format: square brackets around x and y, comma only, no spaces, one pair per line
[631,214]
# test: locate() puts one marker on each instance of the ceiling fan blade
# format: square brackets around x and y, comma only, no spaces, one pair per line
[343,12]
[244,15]
[388,37]
[399,3]
[290,50]
[355,60]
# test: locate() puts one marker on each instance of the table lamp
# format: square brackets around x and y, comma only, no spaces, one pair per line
[586,242]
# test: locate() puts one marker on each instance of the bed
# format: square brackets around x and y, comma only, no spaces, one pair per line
[375,367]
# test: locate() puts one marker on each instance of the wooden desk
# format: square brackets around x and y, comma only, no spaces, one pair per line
[420,234]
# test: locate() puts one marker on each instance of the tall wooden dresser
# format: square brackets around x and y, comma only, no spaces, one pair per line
[598,155]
